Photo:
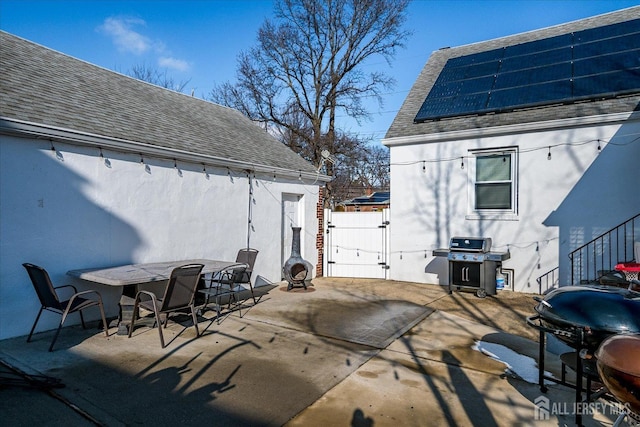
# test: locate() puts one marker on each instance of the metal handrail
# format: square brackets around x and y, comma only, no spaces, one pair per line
[551,275]
[603,252]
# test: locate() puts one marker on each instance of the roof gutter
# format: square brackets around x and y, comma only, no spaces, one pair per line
[22,128]
[539,126]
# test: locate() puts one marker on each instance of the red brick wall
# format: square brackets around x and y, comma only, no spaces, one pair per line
[320,235]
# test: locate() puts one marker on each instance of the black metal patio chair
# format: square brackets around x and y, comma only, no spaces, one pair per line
[227,284]
[179,295]
[50,300]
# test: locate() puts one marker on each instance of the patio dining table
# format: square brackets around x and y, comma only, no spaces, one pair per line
[129,276]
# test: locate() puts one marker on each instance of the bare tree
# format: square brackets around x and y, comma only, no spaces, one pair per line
[374,170]
[157,77]
[307,69]
[366,169]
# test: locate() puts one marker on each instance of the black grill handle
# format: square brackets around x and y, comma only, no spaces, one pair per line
[542,301]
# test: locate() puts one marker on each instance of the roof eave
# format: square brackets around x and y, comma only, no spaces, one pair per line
[12,126]
[487,132]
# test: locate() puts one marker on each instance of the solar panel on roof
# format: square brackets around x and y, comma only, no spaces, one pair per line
[468,86]
[612,30]
[620,61]
[536,59]
[541,45]
[529,95]
[616,82]
[379,197]
[589,64]
[533,76]
[486,56]
[375,198]
[615,44]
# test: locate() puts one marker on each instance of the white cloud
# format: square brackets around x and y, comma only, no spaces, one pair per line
[173,63]
[122,31]
[124,36]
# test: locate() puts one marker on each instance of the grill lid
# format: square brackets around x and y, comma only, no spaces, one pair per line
[602,310]
[470,244]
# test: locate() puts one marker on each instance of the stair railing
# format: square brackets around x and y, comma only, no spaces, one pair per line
[599,256]
[548,280]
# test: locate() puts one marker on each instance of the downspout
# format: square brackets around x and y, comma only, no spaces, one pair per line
[250,211]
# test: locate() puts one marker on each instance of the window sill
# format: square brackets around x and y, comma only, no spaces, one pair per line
[493,216]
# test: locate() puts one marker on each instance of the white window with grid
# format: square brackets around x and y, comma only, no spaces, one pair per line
[493,189]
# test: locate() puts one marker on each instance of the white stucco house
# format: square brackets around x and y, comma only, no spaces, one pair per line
[532,140]
[99,169]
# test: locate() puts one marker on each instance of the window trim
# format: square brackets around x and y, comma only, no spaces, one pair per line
[499,214]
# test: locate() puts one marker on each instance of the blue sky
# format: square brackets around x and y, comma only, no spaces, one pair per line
[199,40]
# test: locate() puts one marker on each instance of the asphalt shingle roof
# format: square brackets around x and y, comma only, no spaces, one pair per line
[404,126]
[42,86]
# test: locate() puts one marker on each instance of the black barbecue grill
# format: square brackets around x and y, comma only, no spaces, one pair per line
[472,264]
[583,317]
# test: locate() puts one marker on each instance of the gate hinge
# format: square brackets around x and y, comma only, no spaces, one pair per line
[384,224]
[383,265]
[331,262]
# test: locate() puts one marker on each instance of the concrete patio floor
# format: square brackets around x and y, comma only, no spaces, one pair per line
[346,352]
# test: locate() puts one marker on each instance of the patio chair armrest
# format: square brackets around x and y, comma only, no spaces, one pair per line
[69,306]
[223,276]
[87,292]
[217,276]
[150,294]
[75,290]
[78,295]
[213,276]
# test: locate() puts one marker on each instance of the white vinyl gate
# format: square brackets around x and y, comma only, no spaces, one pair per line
[356,244]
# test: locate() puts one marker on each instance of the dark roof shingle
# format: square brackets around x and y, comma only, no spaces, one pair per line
[45,87]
